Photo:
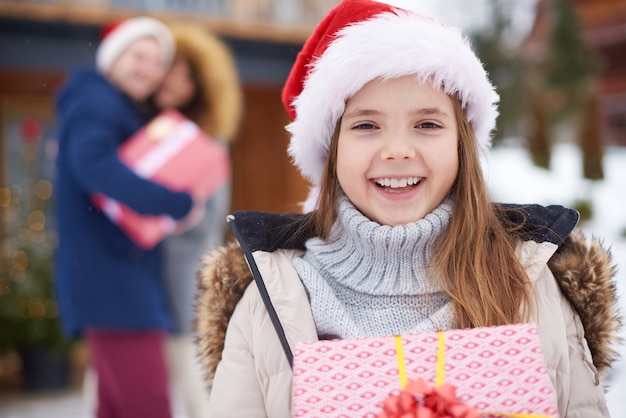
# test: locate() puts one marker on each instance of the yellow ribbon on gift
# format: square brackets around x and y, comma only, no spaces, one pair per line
[439,376]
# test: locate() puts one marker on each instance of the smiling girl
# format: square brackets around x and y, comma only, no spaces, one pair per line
[390,112]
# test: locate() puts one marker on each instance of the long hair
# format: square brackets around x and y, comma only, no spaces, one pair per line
[474,261]
[218,104]
[198,104]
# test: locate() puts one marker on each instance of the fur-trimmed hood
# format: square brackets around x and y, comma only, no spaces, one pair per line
[583,269]
[218,77]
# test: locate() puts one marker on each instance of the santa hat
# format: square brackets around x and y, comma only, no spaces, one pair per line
[117,36]
[360,40]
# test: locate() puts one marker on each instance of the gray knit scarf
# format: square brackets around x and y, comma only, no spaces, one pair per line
[372,280]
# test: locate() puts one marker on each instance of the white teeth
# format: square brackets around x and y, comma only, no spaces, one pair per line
[397,183]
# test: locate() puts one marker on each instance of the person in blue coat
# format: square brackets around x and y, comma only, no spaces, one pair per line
[109,290]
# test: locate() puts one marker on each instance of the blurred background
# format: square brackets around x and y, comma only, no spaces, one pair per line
[559,66]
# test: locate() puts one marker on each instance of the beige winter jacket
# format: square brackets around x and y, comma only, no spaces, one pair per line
[253,362]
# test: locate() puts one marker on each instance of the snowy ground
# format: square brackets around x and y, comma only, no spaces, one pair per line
[513,178]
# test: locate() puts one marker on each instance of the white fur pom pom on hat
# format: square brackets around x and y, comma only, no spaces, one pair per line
[117,36]
[360,40]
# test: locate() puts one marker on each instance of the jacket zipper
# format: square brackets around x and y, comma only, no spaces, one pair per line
[256,274]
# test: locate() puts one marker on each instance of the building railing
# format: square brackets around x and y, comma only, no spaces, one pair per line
[289,12]
[281,16]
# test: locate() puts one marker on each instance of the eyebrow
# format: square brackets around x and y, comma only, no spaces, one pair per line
[361,112]
[428,111]
[432,111]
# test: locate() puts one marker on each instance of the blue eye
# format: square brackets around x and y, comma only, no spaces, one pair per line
[364,126]
[428,125]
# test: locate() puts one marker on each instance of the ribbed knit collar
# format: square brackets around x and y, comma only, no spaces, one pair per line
[369,279]
[379,259]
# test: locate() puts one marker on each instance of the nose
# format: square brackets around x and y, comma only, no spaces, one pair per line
[151,67]
[144,68]
[398,146]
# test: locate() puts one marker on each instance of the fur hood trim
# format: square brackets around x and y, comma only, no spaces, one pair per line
[584,271]
[218,75]
[585,274]
[222,280]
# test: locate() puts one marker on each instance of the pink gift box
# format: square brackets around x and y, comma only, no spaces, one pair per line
[496,370]
[173,151]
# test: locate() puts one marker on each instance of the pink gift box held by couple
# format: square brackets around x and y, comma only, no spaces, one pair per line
[499,371]
[170,150]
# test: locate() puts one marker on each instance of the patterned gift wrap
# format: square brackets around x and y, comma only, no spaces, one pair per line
[499,371]
[170,150]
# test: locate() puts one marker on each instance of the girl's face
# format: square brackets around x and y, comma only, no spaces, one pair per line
[178,87]
[397,155]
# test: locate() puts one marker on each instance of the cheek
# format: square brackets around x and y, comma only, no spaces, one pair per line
[449,168]
[186,91]
[168,82]
[352,166]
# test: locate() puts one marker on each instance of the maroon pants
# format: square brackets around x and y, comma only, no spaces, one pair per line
[132,373]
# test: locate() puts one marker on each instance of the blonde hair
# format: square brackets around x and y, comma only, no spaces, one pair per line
[474,262]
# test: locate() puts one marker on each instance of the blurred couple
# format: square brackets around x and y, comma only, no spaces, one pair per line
[133,306]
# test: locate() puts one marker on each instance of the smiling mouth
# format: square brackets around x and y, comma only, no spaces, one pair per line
[395,184]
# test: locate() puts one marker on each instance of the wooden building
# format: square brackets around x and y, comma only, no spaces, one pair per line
[40,42]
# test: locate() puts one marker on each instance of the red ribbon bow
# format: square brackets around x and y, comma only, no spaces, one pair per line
[418,400]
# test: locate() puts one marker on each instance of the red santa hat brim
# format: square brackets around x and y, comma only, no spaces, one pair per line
[128,31]
[360,40]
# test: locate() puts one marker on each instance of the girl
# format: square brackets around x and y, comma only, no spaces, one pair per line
[390,111]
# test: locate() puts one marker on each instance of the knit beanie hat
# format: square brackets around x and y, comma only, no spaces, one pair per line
[360,40]
[117,36]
